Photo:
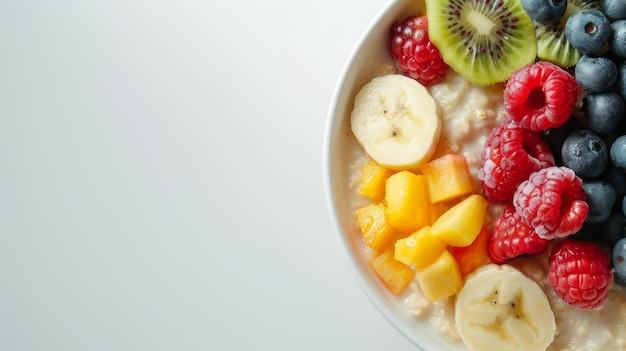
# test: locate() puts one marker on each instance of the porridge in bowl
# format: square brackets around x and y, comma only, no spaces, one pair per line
[468,194]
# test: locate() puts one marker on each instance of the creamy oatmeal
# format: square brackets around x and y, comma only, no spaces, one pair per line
[469,113]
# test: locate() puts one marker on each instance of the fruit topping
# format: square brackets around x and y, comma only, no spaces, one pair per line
[595,74]
[395,275]
[500,308]
[448,178]
[614,228]
[556,167]
[373,180]
[614,9]
[419,249]
[603,111]
[484,41]
[441,279]
[374,224]
[396,121]
[585,153]
[617,41]
[618,153]
[617,179]
[406,197]
[552,45]
[588,30]
[474,256]
[509,156]
[540,96]
[552,202]
[555,137]
[461,224]
[619,258]
[544,11]
[415,55]
[580,273]
[600,197]
[620,84]
[512,238]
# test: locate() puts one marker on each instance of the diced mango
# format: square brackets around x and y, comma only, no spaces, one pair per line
[471,257]
[373,180]
[419,249]
[448,177]
[441,279]
[395,275]
[460,225]
[436,210]
[406,197]
[372,219]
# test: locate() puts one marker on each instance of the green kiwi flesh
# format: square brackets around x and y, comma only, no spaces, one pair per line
[552,45]
[483,40]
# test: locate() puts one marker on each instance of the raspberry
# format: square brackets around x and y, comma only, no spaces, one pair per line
[552,202]
[415,55]
[540,96]
[511,238]
[510,155]
[580,273]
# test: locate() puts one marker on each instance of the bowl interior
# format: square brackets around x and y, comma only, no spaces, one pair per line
[340,150]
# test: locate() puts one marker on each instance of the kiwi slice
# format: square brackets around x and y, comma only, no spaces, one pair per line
[483,40]
[552,45]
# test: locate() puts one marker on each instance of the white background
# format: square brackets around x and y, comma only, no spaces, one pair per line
[161,177]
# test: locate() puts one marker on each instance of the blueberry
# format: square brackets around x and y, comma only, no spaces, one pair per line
[619,258]
[617,42]
[614,228]
[614,9]
[616,178]
[585,153]
[603,111]
[595,74]
[624,205]
[621,80]
[588,30]
[617,153]
[544,11]
[600,198]
[556,136]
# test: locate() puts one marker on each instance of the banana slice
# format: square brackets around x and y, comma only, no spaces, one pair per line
[499,308]
[396,121]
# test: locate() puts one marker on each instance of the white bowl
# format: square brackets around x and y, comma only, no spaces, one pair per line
[340,148]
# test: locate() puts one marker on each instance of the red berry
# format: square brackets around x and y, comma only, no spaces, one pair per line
[552,202]
[540,96]
[511,238]
[510,155]
[580,273]
[415,55]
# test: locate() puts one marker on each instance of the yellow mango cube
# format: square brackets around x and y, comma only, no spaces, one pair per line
[419,249]
[373,180]
[407,201]
[460,225]
[375,228]
[448,177]
[395,275]
[441,279]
